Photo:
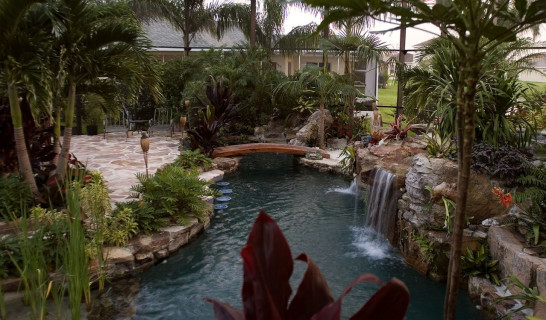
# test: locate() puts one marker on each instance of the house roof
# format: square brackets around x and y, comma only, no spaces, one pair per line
[163,35]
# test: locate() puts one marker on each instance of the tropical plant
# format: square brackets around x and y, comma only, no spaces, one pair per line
[267,267]
[213,117]
[502,100]
[479,264]
[475,28]
[396,131]
[329,88]
[174,194]
[205,135]
[438,146]
[193,160]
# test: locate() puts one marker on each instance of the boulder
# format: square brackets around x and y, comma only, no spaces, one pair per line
[309,131]
[225,164]
[441,175]
[336,143]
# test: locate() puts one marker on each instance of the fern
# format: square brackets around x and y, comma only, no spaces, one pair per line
[193,160]
[173,195]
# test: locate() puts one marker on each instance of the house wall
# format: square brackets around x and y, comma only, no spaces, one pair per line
[298,62]
[533,75]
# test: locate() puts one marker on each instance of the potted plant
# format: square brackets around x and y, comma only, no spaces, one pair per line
[93,116]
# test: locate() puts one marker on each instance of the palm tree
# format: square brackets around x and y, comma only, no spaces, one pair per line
[432,86]
[475,28]
[328,87]
[353,42]
[102,44]
[21,39]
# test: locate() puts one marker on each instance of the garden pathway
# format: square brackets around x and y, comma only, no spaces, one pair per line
[119,160]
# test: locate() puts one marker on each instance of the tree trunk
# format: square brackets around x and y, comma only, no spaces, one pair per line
[68,119]
[20,144]
[252,23]
[57,137]
[321,126]
[186,31]
[466,122]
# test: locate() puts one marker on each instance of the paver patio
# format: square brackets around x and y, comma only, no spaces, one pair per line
[119,160]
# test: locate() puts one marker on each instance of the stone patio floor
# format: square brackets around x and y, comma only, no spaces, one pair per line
[119,160]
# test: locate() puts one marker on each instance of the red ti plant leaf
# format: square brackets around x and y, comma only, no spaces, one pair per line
[389,302]
[313,292]
[267,267]
[225,312]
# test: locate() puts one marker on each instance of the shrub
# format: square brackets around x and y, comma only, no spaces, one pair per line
[146,218]
[14,195]
[504,162]
[121,227]
[174,193]
[193,160]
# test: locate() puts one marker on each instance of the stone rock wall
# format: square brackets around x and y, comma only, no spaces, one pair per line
[441,175]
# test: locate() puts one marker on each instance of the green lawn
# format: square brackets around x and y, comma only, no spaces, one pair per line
[387,97]
[541,86]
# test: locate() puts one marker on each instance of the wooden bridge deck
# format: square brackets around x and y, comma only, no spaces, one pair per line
[264,147]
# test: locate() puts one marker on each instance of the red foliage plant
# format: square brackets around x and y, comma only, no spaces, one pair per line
[267,267]
[396,131]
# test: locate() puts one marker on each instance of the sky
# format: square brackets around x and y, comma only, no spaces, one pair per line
[297,17]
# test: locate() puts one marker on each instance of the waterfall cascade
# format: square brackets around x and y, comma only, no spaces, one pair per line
[382,204]
[352,189]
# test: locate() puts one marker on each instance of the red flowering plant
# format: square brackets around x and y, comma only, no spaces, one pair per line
[267,267]
[534,225]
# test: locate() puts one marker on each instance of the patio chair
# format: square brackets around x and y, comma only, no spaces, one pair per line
[162,121]
[117,123]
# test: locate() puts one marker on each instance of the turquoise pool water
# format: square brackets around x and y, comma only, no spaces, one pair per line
[317,215]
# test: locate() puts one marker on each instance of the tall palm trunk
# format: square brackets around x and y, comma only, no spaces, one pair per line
[68,119]
[321,125]
[57,137]
[186,33]
[252,23]
[20,144]
[349,72]
[466,122]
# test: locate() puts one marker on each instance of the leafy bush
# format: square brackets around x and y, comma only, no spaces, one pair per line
[193,160]
[146,218]
[15,195]
[504,162]
[121,227]
[174,194]
[267,267]
[479,263]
